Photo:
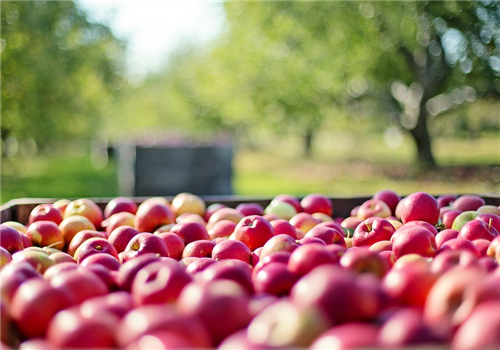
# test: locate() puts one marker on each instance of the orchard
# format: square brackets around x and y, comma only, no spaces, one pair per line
[398,272]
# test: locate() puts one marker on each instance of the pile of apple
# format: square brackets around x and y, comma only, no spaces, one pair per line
[399,272]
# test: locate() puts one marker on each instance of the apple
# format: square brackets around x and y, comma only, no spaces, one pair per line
[231,249]
[290,199]
[190,217]
[34,304]
[60,257]
[161,340]
[420,206]
[328,234]
[80,284]
[463,218]
[128,270]
[308,257]
[107,260]
[45,234]
[317,203]
[61,205]
[445,235]
[390,198]
[279,243]
[348,336]
[118,303]
[174,244]
[153,213]
[10,239]
[449,217]
[322,217]
[230,269]
[72,225]
[481,246]
[460,244]
[413,239]
[362,260]
[185,202]
[121,236]
[280,257]
[494,249]
[468,202]
[477,229]
[224,214]
[190,231]
[57,269]
[199,265]
[304,221]
[164,228]
[81,237]
[490,219]
[144,243]
[248,209]
[160,282]
[212,208]
[282,210]
[313,240]
[94,245]
[449,258]
[488,209]
[38,259]
[5,257]
[381,246]
[372,208]
[445,200]
[13,275]
[119,219]
[254,231]
[349,225]
[120,205]
[372,230]
[198,249]
[45,212]
[222,228]
[87,208]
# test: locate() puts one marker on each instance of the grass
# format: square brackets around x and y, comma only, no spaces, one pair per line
[344,165]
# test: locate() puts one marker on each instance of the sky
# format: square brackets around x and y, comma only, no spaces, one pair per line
[155,29]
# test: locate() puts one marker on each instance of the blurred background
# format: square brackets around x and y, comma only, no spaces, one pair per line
[340,98]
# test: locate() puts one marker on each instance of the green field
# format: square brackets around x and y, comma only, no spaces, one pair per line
[466,166]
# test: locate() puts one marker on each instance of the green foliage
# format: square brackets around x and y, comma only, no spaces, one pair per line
[59,71]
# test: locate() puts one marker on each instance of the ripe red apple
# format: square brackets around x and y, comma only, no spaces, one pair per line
[190,217]
[254,231]
[39,259]
[87,208]
[317,203]
[174,244]
[460,244]
[34,304]
[280,242]
[190,232]
[161,340]
[420,206]
[81,237]
[199,265]
[468,202]
[159,282]
[304,221]
[144,243]
[212,208]
[118,303]
[372,230]
[463,218]
[445,200]
[279,210]
[490,219]
[381,246]
[282,226]
[447,259]
[188,203]
[413,239]
[128,270]
[80,284]
[372,208]
[477,229]
[481,246]
[231,249]
[12,276]
[151,214]
[362,260]
[16,225]
[116,220]
[308,257]
[121,236]
[222,228]
[45,234]
[95,245]
[45,212]
[120,205]
[198,249]
[445,235]
[349,225]
[61,205]
[290,199]
[348,336]
[248,209]
[107,260]
[10,239]
[57,269]
[390,198]
[224,214]
[449,217]
[72,225]
[230,269]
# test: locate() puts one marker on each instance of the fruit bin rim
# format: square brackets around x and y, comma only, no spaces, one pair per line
[20,209]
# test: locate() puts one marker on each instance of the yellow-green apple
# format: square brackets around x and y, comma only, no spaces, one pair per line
[362,260]
[34,304]
[445,200]
[201,300]
[290,199]
[231,249]
[16,225]
[308,257]
[329,235]
[85,207]
[120,237]
[188,203]
[72,225]
[190,232]
[120,205]
[128,270]
[250,209]
[80,284]
[198,249]
[372,208]
[390,198]
[372,230]
[420,206]
[10,239]
[278,243]
[153,213]
[352,335]
[107,260]
[317,203]
[45,212]
[81,237]
[445,235]
[282,210]
[409,284]
[449,216]
[463,218]
[468,202]
[212,208]
[222,228]
[224,214]
[38,259]
[490,219]
[144,243]
[477,229]
[285,325]
[45,234]
[304,221]
[160,282]
[413,239]
[460,244]
[174,244]
[5,257]
[119,219]
[94,245]
[254,231]
[490,209]
[61,205]
[481,330]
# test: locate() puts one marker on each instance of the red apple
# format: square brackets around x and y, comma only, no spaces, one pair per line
[413,239]
[494,249]
[117,220]
[460,244]
[190,232]
[328,234]
[390,198]
[381,246]
[39,259]
[60,257]
[231,249]
[481,246]
[107,260]
[349,225]
[120,205]
[45,212]
[199,265]
[477,229]
[95,245]
[444,236]
[10,239]
[254,231]
[118,303]
[372,208]
[153,213]
[222,228]
[420,206]
[352,335]
[362,260]
[80,284]
[128,270]
[174,244]
[198,249]
[72,225]
[224,214]
[190,217]
[13,275]
[449,258]
[121,236]
[81,237]
[87,208]
[372,230]
[304,221]
[61,205]
[230,269]
[212,208]
[248,209]
[162,340]
[45,234]
[449,217]
[445,200]
[57,269]
[468,202]
[280,242]
[144,243]
[282,226]
[188,203]
[317,203]
[308,257]
[492,220]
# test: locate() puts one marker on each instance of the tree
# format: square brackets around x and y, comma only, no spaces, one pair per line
[59,71]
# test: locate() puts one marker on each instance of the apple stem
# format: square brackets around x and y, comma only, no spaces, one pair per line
[368,226]
[54,244]
[489,223]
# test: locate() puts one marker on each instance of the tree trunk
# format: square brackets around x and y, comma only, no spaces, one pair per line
[420,134]
[308,143]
